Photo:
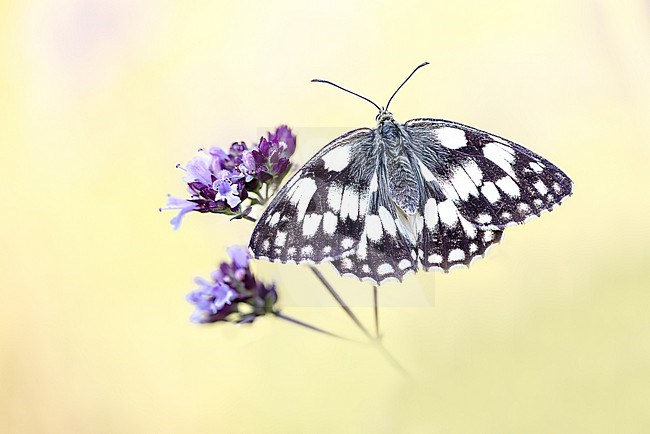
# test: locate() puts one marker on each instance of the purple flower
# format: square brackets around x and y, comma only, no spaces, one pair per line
[237,149]
[219,158]
[183,205]
[211,300]
[226,189]
[233,294]
[212,189]
[219,181]
[283,135]
[198,169]
[272,157]
[211,296]
[273,153]
[248,166]
[239,256]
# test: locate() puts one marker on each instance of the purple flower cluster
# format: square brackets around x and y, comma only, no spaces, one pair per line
[232,294]
[231,182]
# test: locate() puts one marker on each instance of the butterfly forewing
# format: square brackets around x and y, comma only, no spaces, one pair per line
[493,182]
[320,212]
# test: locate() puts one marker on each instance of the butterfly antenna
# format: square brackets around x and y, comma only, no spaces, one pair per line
[318,80]
[407,79]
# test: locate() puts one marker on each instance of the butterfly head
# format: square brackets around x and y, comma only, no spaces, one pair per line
[383,116]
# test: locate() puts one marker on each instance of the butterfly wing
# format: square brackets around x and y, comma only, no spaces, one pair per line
[491,181]
[446,238]
[320,212]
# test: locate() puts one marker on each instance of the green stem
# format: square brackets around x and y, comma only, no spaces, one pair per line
[260,199]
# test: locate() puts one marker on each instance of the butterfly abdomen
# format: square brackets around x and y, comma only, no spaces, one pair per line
[402,181]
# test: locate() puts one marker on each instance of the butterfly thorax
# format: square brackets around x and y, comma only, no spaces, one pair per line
[397,155]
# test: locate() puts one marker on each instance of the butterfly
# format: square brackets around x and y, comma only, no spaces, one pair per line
[385,202]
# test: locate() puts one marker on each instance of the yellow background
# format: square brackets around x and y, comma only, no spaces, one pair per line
[549,333]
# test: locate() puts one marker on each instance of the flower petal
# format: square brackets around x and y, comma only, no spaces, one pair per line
[198,169]
[184,205]
[239,256]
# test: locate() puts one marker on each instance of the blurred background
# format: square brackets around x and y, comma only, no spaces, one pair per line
[100,100]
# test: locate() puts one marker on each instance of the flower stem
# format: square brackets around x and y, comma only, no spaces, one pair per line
[261,200]
[340,301]
[376,339]
[309,326]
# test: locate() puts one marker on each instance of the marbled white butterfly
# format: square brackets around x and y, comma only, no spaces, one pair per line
[381,203]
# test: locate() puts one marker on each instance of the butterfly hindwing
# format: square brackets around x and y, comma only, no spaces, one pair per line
[320,212]
[447,239]
[493,182]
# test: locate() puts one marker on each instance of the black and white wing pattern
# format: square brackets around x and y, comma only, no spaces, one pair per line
[447,240]
[492,182]
[439,200]
[320,212]
[475,185]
